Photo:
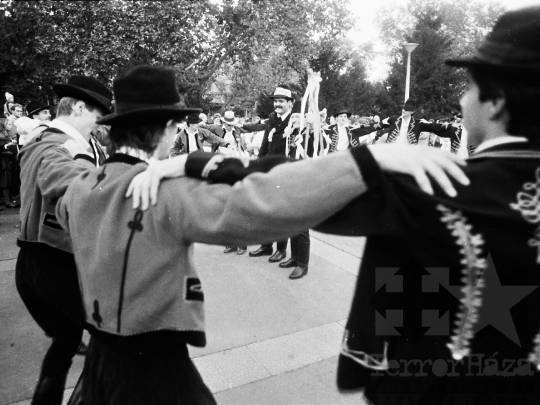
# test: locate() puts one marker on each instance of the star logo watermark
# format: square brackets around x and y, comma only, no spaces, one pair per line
[414,301]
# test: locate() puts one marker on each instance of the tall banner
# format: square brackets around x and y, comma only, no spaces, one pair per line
[310,105]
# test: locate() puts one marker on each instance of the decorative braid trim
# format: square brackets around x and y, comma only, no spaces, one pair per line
[528,204]
[474,265]
[212,164]
[363,358]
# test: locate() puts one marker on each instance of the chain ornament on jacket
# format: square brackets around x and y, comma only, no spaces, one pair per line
[411,137]
[528,204]
[474,265]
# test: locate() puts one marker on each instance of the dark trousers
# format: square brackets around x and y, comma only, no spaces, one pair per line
[281,246]
[47,282]
[300,247]
[153,368]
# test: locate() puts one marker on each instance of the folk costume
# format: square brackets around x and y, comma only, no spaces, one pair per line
[189,142]
[407,129]
[300,243]
[275,144]
[129,275]
[458,140]
[46,276]
[446,307]
[341,137]
[366,134]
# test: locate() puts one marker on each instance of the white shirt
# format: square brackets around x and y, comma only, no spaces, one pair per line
[284,116]
[499,141]
[403,131]
[343,138]
[192,141]
[229,137]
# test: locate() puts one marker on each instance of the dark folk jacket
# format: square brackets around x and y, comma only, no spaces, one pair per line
[411,318]
[333,134]
[414,129]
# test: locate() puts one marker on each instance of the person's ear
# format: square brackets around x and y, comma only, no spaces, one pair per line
[78,108]
[497,108]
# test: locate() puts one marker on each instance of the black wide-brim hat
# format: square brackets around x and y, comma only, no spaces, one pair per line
[147,93]
[86,89]
[340,111]
[35,107]
[193,119]
[512,46]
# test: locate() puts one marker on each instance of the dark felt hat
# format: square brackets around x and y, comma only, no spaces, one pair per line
[512,45]
[410,104]
[86,89]
[35,107]
[283,91]
[340,111]
[147,92]
[193,118]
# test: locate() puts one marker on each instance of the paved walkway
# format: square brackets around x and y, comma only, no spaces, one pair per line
[270,340]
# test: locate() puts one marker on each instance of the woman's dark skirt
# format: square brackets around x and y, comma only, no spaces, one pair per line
[151,369]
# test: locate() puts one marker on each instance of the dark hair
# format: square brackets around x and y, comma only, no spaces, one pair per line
[522,98]
[13,106]
[145,137]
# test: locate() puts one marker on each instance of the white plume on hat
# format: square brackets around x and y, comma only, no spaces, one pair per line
[8,96]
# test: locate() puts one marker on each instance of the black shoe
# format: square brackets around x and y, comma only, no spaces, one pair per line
[241,250]
[262,251]
[278,256]
[82,349]
[288,263]
[13,205]
[299,272]
[229,250]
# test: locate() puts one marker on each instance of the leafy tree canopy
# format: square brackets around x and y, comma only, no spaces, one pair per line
[45,42]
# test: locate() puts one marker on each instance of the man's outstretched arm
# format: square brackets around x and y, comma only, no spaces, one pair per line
[418,162]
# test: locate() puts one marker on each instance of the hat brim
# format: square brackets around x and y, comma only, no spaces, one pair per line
[498,67]
[37,110]
[342,112]
[233,122]
[150,114]
[284,97]
[67,90]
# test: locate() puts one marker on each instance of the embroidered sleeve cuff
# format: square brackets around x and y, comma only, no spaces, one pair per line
[199,164]
[370,169]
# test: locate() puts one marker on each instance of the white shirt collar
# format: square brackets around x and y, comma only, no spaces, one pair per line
[137,153]
[284,116]
[499,141]
[70,131]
